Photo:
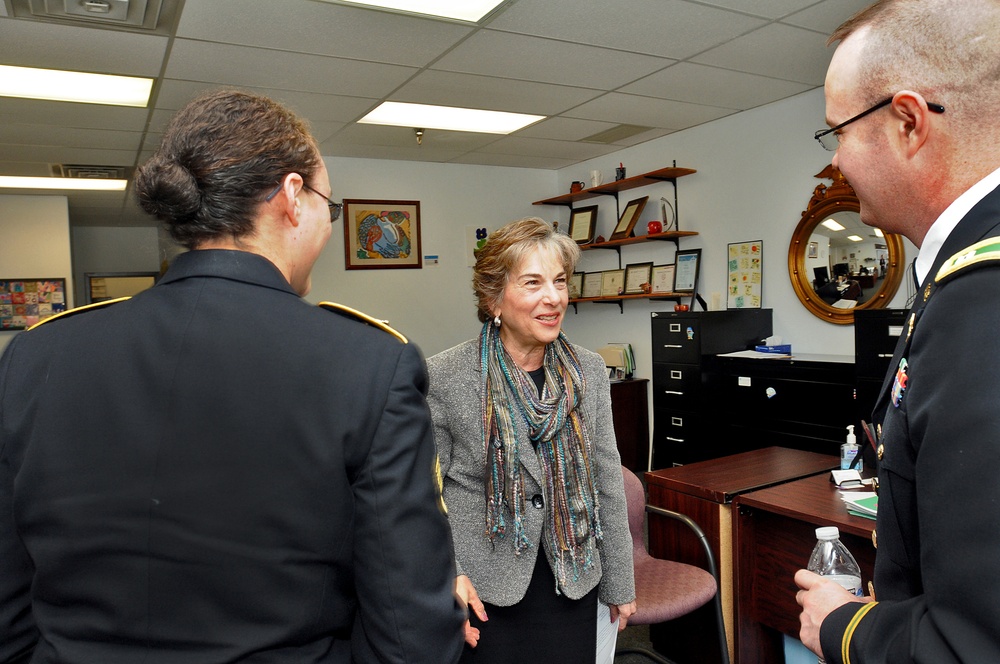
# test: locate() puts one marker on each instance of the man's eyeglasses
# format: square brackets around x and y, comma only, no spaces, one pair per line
[335,208]
[830,139]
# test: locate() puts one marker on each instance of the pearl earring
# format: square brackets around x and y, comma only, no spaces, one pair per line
[496,320]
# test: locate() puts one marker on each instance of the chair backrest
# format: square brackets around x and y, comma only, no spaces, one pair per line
[635,502]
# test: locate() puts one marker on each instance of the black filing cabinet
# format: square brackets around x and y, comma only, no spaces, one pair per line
[686,423]
[876,332]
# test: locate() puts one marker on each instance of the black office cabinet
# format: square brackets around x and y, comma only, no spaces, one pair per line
[686,422]
[876,332]
[804,402]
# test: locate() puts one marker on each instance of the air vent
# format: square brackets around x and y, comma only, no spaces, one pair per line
[122,13]
[85,171]
[615,134]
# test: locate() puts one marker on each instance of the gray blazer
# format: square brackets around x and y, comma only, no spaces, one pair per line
[500,577]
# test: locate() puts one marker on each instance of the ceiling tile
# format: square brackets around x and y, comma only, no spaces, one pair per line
[516,161]
[67,114]
[63,155]
[766,52]
[701,84]
[668,28]
[42,134]
[472,91]
[648,112]
[547,60]
[53,46]
[826,16]
[540,147]
[565,129]
[322,29]
[765,8]
[245,66]
[404,137]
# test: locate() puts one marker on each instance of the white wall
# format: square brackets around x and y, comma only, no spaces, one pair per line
[104,249]
[36,243]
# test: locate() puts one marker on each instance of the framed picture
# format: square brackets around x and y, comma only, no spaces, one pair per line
[25,302]
[812,250]
[612,283]
[663,279]
[592,284]
[582,222]
[629,216]
[743,290]
[575,285]
[103,286]
[687,263]
[381,234]
[636,275]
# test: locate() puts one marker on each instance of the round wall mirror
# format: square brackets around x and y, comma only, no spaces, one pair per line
[837,264]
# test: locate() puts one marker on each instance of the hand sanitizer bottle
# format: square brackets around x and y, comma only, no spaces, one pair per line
[849,451]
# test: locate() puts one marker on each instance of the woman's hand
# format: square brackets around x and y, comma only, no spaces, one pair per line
[467,593]
[623,611]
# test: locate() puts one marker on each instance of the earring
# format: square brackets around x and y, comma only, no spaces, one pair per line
[496,320]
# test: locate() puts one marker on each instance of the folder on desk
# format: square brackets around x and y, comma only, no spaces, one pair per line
[618,356]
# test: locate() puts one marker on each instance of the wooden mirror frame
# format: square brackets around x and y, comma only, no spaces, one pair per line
[838,197]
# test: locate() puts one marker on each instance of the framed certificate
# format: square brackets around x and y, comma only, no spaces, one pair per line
[688,263]
[627,221]
[612,283]
[582,222]
[663,279]
[636,275]
[592,284]
[575,285]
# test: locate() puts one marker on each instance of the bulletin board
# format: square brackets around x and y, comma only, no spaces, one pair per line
[745,269]
[24,302]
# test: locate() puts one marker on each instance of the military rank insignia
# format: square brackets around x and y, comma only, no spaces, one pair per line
[899,383]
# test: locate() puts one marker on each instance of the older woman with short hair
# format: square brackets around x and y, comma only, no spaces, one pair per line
[532,476]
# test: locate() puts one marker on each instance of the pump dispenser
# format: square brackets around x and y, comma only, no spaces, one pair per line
[849,452]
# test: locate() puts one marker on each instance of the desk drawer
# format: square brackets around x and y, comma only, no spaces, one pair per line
[677,386]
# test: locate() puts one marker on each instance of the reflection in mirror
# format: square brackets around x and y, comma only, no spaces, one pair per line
[837,263]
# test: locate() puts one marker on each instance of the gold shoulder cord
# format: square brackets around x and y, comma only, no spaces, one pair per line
[78,310]
[363,317]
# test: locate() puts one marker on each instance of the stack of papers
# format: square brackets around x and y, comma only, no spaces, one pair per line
[619,356]
[861,503]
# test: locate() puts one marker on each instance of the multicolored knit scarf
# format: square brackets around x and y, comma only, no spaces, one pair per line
[552,421]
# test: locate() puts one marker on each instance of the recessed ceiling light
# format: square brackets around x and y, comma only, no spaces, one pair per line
[854,238]
[76,184]
[57,85]
[450,118]
[833,225]
[461,10]
[878,232]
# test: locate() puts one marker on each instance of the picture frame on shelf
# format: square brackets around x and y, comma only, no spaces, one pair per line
[592,284]
[575,285]
[688,265]
[636,276]
[663,279]
[582,223]
[612,283]
[629,216]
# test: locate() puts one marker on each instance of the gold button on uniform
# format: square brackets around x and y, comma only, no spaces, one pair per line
[875,538]
[880,452]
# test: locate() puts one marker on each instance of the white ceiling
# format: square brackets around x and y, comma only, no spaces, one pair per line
[589,65]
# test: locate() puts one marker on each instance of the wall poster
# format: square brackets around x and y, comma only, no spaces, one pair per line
[745,269]
[24,302]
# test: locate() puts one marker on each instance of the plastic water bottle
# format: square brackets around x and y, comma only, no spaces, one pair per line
[830,558]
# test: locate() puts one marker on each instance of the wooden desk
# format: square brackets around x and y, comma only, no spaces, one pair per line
[704,492]
[774,533]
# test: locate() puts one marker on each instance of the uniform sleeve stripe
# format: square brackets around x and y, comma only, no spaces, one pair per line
[845,644]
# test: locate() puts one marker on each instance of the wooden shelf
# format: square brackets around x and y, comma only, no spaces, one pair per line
[612,188]
[614,244]
[636,296]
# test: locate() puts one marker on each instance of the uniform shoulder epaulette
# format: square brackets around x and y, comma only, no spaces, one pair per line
[363,317]
[79,310]
[982,254]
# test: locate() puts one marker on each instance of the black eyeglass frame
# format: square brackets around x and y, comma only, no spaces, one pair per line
[823,133]
[335,208]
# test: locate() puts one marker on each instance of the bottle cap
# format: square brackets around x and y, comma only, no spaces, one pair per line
[828,533]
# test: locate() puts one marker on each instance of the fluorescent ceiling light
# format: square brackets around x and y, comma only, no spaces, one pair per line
[854,238]
[81,184]
[878,232]
[833,225]
[462,10]
[56,85]
[450,118]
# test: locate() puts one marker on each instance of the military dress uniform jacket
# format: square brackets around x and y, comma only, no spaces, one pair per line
[216,471]
[499,576]
[937,566]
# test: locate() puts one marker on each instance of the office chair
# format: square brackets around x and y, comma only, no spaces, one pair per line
[666,589]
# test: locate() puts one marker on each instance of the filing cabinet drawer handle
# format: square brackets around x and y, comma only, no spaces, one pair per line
[677,392]
[675,440]
[885,354]
[672,346]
